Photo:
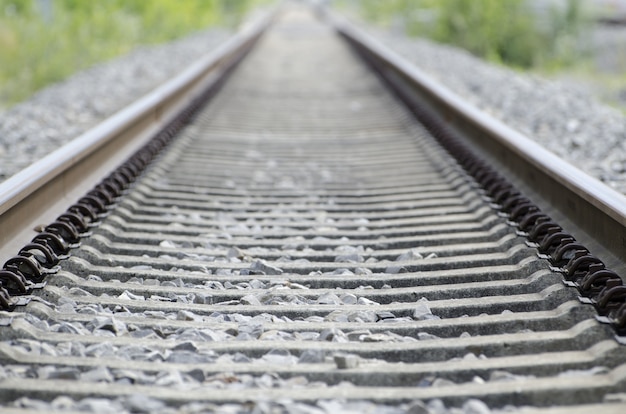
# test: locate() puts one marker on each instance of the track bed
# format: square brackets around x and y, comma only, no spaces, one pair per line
[306,245]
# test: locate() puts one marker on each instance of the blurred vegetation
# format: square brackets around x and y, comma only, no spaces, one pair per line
[519,33]
[44,41]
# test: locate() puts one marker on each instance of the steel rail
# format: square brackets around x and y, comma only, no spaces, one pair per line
[594,213]
[42,191]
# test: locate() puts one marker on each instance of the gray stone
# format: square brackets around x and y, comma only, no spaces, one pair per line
[33,404]
[410,255]
[229,303]
[188,357]
[279,357]
[377,337]
[203,298]
[305,336]
[276,335]
[253,329]
[72,328]
[442,382]
[161,298]
[66,308]
[99,374]
[264,381]
[417,407]
[133,377]
[99,405]
[234,252]
[395,269]
[346,361]
[385,315]
[94,278]
[76,291]
[349,258]
[349,299]
[212,335]
[436,406]
[138,403]
[66,299]
[341,272]
[108,323]
[169,379]
[126,295]
[186,346]
[257,284]
[250,300]
[329,299]
[184,315]
[474,406]
[101,349]
[362,316]
[241,358]
[145,334]
[311,356]
[197,374]
[421,311]
[63,403]
[292,285]
[425,336]
[366,301]
[356,335]
[326,335]
[261,267]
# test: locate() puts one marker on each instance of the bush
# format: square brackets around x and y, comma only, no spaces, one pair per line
[514,32]
[44,41]
[496,29]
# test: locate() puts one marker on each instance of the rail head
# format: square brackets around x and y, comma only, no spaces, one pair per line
[597,211]
[42,191]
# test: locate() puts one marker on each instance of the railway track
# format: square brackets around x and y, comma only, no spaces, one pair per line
[303,244]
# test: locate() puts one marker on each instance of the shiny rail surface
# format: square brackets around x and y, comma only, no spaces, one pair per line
[304,245]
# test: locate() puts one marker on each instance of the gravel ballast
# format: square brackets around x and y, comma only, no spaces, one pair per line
[56,115]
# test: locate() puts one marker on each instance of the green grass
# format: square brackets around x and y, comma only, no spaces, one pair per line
[40,45]
[503,31]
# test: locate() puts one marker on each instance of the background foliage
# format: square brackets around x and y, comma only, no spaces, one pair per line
[44,41]
[518,33]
